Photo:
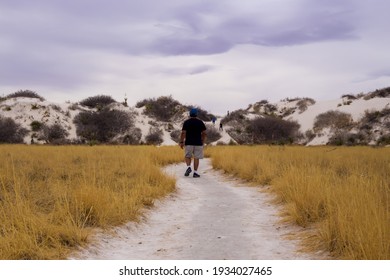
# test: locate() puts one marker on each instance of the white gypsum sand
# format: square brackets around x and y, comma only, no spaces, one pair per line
[212,217]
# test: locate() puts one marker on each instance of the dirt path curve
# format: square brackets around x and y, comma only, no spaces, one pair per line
[212,217]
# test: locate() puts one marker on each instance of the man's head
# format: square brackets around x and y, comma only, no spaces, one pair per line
[193,112]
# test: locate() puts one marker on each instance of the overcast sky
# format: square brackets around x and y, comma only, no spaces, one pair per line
[219,55]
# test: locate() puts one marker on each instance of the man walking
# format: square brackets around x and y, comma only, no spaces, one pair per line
[192,139]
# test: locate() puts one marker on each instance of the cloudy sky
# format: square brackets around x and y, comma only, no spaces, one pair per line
[220,55]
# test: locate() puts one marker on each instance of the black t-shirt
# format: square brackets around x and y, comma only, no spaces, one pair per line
[194,128]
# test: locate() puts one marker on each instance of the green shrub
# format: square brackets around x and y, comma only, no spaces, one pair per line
[25,93]
[98,101]
[155,136]
[273,130]
[334,120]
[103,125]
[212,134]
[304,103]
[133,137]
[54,134]
[36,125]
[164,108]
[175,135]
[348,139]
[384,140]
[10,131]
[381,93]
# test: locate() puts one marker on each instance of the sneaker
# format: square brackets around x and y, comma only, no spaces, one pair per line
[196,175]
[188,171]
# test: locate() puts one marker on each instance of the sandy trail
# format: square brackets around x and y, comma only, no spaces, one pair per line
[207,218]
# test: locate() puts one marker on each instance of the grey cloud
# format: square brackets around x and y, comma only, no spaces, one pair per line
[201,69]
[31,69]
[189,46]
[193,70]
[306,34]
[379,73]
[43,41]
[310,23]
[145,27]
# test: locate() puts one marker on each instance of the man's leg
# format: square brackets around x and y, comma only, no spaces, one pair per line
[196,164]
[198,154]
[187,157]
[188,162]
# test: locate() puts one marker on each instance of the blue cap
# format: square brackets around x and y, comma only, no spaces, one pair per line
[194,112]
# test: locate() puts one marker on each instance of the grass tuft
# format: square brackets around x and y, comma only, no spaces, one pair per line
[342,194]
[51,197]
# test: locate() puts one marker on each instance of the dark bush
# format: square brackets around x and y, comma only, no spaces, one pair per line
[304,103]
[257,106]
[25,93]
[240,136]
[381,93]
[164,108]
[310,135]
[273,130]
[36,125]
[384,140]
[11,132]
[56,108]
[212,134]
[285,112]
[102,125]
[98,101]
[374,117]
[333,119]
[54,133]
[155,136]
[175,135]
[371,117]
[349,96]
[264,107]
[133,137]
[347,139]
[238,116]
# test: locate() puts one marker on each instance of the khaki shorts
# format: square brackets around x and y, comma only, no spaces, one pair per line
[196,151]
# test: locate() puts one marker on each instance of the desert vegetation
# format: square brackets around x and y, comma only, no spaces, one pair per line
[273,130]
[263,129]
[264,107]
[340,195]
[304,103]
[155,136]
[373,128]
[98,101]
[335,120]
[384,92]
[53,197]
[25,93]
[10,131]
[213,134]
[166,109]
[163,108]
[102,125]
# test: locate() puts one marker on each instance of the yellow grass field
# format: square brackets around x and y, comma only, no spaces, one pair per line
[341,194]
[52,196]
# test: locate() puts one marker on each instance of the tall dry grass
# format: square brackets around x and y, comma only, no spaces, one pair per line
[342,193]
[51,197]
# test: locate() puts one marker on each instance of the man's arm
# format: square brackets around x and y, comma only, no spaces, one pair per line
[182,138]
[204,135]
